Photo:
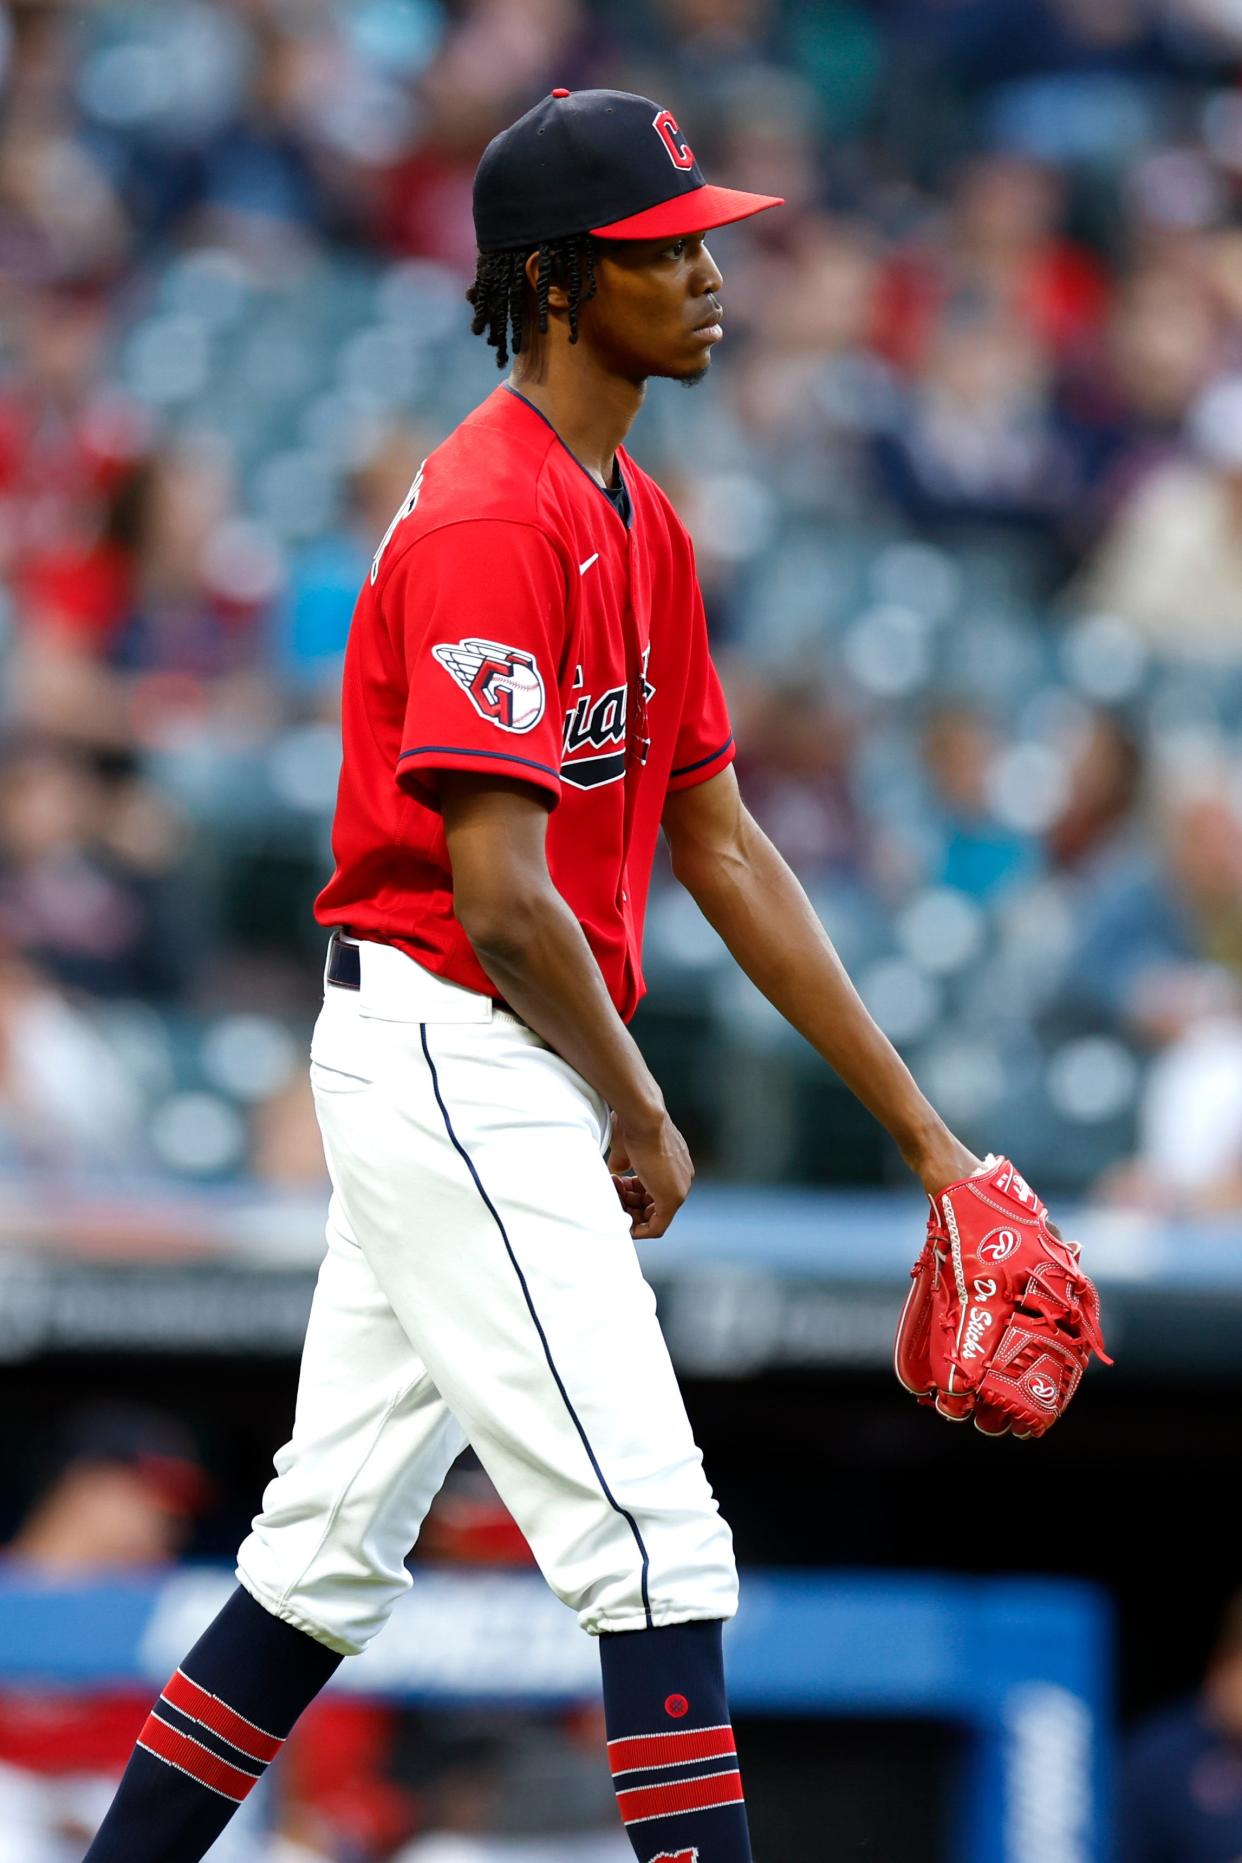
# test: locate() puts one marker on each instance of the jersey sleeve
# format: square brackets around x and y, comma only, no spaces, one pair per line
[479,610]
[704,738]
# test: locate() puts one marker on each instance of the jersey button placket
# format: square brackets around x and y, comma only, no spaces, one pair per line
[635,735]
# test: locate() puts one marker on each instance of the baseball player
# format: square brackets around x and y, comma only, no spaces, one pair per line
[528,699]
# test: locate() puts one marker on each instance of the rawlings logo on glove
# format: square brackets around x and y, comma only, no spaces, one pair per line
[1001,1319]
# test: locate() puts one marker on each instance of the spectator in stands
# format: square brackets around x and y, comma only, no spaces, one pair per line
[66,1101]
[124,1486]
[1161,932]
[1171,564]
[87,854]
[1181,1785]
[810,391]
[68,440]
[1002,259]
[1189,1156]
[61,219]
[286,1150]
[262,188]
[75,591]
[798,780]
[121,1495]
[312,622]
[1162,956]
[147,613]
[975,852]
[1098,824]
[975,441]
[1125,401]
[183,622]
[465,1795]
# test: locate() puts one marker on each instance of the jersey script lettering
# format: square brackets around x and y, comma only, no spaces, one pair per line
[411,499]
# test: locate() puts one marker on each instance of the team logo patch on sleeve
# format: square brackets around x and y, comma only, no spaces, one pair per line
[502,683]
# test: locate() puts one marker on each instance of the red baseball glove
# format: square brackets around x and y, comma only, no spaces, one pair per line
[1001,1320]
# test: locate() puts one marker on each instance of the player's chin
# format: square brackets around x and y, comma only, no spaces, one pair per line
[688,370]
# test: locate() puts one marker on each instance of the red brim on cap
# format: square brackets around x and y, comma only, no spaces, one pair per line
[695,212]
[183,1487]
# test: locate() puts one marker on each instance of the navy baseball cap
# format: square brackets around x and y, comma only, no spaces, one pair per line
[155,1445]
[603,162]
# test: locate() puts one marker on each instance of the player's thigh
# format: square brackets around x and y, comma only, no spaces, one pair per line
[481,1196]
[371,1443]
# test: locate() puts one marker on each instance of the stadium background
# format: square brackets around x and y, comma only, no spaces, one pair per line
[966,489]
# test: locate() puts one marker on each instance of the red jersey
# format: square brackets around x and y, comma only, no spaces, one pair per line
[514,621]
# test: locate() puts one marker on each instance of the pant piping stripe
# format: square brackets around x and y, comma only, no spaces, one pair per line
[462,1153]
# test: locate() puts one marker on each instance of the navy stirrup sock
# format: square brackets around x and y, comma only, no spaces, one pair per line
[222,1718]
[226,1712]
[671,1747]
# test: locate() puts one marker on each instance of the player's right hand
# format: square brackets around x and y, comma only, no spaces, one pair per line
[652,1172]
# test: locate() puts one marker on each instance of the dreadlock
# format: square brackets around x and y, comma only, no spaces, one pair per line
[499,291]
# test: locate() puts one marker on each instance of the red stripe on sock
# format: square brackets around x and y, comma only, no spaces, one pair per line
[222,1720]
[674,1748]
[186,1754]
[667,1801]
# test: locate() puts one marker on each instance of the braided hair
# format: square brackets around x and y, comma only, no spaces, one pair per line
[500,296]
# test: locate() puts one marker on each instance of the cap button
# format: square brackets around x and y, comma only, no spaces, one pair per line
[560,93]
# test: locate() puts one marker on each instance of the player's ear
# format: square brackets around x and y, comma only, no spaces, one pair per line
[558,297]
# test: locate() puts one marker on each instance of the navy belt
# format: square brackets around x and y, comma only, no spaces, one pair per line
[344,964]
[345,968]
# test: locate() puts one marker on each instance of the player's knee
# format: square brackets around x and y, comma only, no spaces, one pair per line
[700,1582]
[342,1601]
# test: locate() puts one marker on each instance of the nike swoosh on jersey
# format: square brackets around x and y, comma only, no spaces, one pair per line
[583,567]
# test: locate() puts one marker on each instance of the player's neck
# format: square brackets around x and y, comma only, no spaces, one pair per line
[591,407]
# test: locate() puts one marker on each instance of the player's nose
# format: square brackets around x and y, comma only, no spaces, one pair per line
[708,276]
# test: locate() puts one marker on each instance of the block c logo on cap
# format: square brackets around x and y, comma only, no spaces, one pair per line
[680,154]
[677,1856]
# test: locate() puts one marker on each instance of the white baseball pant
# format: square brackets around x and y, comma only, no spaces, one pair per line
[480,1286]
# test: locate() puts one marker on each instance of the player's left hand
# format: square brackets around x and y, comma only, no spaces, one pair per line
[1001,1320]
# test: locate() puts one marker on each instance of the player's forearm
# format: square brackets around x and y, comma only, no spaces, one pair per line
[544,968]
[753,899]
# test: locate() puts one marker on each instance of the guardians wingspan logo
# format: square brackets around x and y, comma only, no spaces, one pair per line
[502,683]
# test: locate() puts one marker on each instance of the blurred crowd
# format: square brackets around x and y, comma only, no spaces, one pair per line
[965,484]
